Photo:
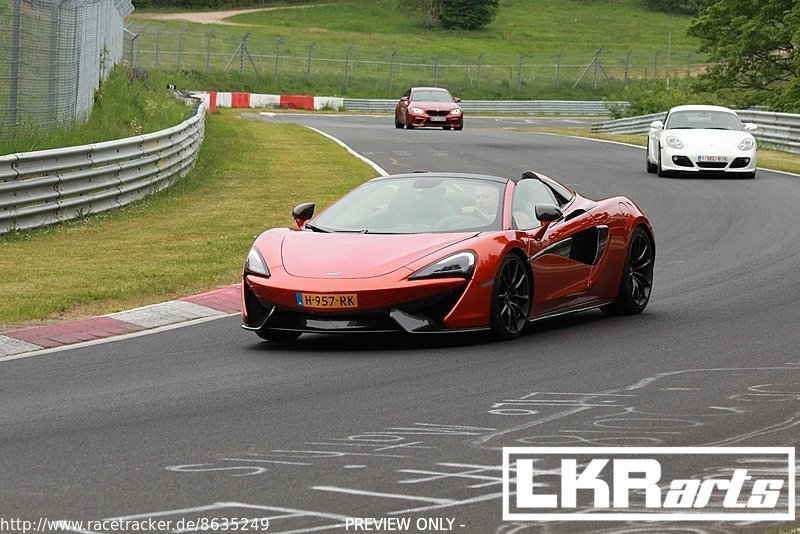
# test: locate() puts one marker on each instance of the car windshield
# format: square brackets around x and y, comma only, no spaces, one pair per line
[416,205]
[712,120]
[431,95]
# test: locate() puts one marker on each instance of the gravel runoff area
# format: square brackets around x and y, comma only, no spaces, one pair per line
[209,17]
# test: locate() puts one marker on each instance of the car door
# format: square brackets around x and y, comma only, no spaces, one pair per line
[561,253]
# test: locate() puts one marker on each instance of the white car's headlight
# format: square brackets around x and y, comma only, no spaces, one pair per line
[456,111]
[255,263]
[673,142]
[416,111]
[747,143]
[460,264]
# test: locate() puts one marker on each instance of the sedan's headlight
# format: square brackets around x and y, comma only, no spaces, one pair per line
[458,265]
[255,263]
[673,142]
[747,143]
[456,111]
[416,111]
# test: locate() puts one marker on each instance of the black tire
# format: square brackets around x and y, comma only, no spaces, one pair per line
[397,124]
[637,276]
[409,125]
[749,175]
[511,299]
[661,172]
[651,167]
[445,127]
[458,128]
[278,335]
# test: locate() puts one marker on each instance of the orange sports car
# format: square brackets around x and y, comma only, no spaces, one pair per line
[429,106]
[443,252]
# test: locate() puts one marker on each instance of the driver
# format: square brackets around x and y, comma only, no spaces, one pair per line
[486,198]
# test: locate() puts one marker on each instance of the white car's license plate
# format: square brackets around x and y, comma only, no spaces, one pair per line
[713,159]
[438,119]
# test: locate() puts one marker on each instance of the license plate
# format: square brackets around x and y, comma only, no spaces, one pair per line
[327,301]
[438,119]
[713,159]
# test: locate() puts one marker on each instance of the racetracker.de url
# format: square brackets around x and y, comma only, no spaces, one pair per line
[203,524]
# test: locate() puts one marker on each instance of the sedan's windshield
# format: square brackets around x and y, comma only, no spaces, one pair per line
[712,120]
[431,96]
[416,205]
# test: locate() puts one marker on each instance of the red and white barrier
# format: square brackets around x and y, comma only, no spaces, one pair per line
[214,100]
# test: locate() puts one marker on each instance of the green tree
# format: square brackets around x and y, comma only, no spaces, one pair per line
[686,7]
[753,47]
[467,14]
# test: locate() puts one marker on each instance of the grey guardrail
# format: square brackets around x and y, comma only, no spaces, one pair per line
[545,107]
[780,131]
[49,186]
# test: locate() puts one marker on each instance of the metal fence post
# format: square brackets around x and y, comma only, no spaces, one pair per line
[627,66]
[52,78]
[480,58]
[435,70]
[209,35]
[655,65]
[308,62]
[278,54]
[558,70]
[347,65]
[16,20]
[391,70]
[180,45]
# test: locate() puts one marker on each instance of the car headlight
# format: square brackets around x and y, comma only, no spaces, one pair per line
[416,111]
[255,264]
[746,144]
[456,111]
[460,264]
[673,142]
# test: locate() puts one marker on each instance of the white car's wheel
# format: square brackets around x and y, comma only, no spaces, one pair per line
[651,167]
[661,172]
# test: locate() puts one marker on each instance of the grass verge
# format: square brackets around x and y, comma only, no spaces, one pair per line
[126,104]
[190,238]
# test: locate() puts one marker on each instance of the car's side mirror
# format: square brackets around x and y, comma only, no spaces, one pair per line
[656,125]
[302,213]
[548,213]
[750,127]
[456,100]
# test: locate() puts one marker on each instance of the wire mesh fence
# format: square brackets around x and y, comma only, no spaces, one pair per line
[349,68]
[53,54]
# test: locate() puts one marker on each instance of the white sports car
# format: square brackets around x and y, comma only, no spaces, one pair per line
[701,139]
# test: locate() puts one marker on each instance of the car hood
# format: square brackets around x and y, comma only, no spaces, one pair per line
[345,255]
[425,104]
[701,138]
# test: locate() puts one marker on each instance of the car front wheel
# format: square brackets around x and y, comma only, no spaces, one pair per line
[661,172]
[511,298]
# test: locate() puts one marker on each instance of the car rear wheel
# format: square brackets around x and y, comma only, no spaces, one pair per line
[511,298]
[651,167]
[637,276]
[277,335]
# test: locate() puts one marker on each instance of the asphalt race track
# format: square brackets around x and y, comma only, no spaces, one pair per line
[207,421]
